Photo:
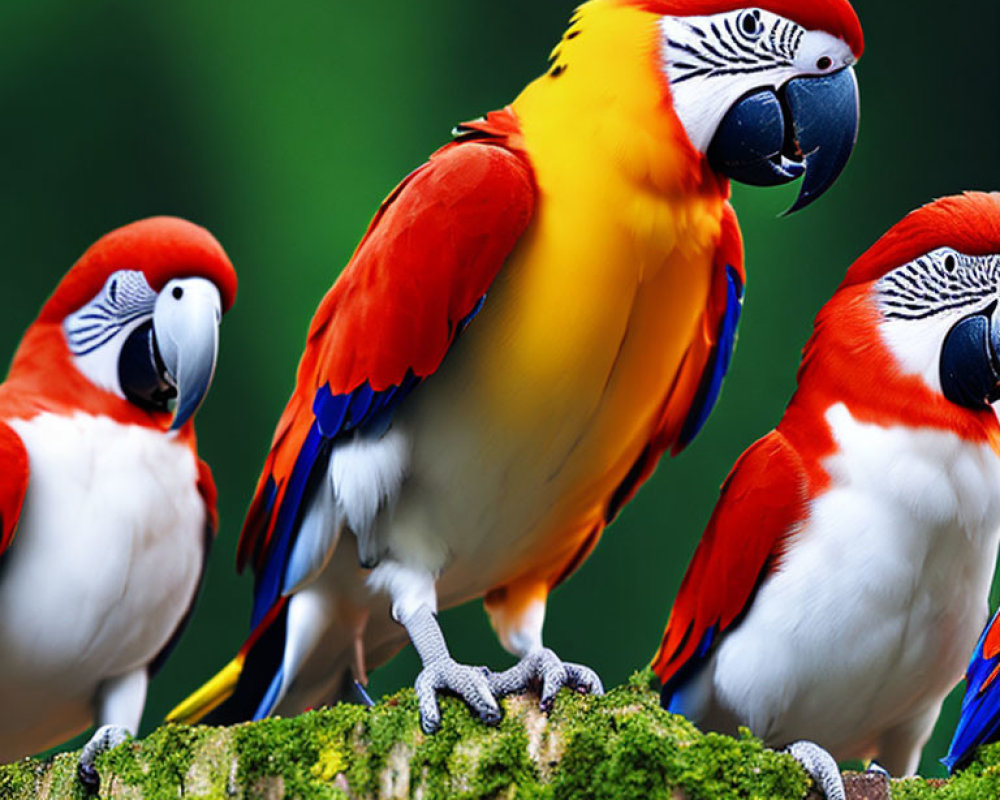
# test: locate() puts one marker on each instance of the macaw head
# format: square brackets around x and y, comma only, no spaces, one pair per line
[140,313]
[767,92]
[764,92]
[935,282]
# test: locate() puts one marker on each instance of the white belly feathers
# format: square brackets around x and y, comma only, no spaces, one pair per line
[106,558]
[881,597]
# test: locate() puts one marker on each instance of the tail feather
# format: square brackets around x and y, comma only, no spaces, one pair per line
[236,693]
[271,697]
[210,696]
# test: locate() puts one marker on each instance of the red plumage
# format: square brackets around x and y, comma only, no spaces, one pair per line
[762,500]
[969,223]
[394,310]
[14,484]
[846,356]
[42,376]
[836,17]
[766,494]
[162,248]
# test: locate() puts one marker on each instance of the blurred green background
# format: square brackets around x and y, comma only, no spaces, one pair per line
[281,126]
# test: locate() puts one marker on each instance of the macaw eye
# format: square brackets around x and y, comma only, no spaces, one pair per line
[749,23]
[950,263]
[824,63]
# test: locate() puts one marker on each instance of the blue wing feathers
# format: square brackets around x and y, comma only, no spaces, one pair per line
[363,410]
[979,722]
[267,588]
[718,363]
[672,695]
[330,411]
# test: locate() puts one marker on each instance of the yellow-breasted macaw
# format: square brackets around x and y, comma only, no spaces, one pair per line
[533,318]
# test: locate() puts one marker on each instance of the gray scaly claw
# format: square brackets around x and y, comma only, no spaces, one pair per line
[545,669]
[822,768]
[469,683]
[105,738]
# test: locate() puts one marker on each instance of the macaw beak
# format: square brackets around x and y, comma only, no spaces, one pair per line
[970,366]
[186,338]
[808,127]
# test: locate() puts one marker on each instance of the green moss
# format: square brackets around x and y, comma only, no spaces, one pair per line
[159,765]
[391,723]
[504,763]
[980,781]
[19,778]
[622,746]
[306,753]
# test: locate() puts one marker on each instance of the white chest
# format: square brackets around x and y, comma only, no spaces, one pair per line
[880,599]
[106,557]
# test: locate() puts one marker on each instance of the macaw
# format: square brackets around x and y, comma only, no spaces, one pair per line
[844,574]
[106,511]
[980,719]
[532,319]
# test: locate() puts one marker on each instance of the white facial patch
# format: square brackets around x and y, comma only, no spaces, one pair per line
[712,62]
[96,332]
[923,300]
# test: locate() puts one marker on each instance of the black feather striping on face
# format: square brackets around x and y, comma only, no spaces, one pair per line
[939,282]
[730,48]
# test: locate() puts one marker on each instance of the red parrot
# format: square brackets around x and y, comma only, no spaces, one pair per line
[845,573]
[106,511]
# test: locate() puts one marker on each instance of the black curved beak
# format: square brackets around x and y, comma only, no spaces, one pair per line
[970,367]
[142,373]
[808,127]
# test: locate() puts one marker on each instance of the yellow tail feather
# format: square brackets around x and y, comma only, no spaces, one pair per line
[210,696]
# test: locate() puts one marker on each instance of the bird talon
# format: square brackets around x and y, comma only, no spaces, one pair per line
[469,684]
[88,776]
[105,738]
[543,668]
[821,767]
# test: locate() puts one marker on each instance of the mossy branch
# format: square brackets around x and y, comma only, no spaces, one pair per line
[621,746]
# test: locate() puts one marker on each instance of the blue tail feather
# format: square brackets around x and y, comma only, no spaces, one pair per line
[271,697]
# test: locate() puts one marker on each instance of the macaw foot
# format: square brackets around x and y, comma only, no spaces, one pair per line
[469,683]
[544,670]
[441,673]
[822,768]
[105,738]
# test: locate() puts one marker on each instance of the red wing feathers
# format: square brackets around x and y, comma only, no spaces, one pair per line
[427,260]
[431,255]
[210,496]
[762,502]
[14,458]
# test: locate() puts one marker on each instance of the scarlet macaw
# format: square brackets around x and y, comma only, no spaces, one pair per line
[533,318]
[106,511]
[844,575]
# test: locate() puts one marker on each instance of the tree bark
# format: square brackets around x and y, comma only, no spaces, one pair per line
[622,745]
